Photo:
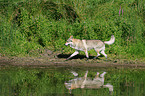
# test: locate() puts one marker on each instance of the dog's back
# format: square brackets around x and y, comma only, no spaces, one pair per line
[94,44]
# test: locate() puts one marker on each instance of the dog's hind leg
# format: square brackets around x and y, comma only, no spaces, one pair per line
[97,76]
[102,77]
[102,52]
[98,54]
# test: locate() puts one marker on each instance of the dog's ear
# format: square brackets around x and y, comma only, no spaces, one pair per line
[71,37]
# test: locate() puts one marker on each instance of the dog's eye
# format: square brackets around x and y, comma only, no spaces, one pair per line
[69,40]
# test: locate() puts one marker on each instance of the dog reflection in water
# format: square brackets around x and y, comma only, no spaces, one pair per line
[86,82]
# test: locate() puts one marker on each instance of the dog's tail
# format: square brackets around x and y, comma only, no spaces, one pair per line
[110,87]
[111,41]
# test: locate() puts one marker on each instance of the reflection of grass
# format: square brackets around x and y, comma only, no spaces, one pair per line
[33,25]
[23,81]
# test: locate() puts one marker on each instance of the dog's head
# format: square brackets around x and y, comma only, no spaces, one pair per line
[69,41]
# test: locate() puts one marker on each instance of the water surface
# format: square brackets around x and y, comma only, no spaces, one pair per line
[20,81]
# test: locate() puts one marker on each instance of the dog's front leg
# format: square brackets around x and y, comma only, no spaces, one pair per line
[75,53]
[86,52]
[85,79]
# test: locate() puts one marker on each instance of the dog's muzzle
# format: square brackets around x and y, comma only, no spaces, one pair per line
[66,44]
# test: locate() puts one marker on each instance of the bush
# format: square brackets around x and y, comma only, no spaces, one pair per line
[30,25]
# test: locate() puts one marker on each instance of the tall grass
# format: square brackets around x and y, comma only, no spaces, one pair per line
[28,25]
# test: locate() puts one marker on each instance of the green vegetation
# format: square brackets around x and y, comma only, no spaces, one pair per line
[29,25]
[18,81]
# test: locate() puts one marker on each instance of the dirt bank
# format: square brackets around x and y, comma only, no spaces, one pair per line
[58,60]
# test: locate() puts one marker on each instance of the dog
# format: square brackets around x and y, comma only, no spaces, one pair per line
[86,82]
[86,45]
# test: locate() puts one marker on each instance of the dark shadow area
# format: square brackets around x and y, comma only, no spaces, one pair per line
[75,57]
[57,94]
[40,41]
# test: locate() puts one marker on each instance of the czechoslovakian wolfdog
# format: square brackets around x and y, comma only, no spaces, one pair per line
[86,82]
[86,45]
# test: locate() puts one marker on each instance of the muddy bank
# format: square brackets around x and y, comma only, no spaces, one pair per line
[59,60]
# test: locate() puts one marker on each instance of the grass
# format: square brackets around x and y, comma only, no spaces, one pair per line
[28,25]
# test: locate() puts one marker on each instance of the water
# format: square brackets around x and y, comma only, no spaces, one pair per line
[20,81]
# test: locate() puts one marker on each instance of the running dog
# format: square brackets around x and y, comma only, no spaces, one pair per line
[86,82]
[86,45]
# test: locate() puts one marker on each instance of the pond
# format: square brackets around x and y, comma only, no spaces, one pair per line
[23,81]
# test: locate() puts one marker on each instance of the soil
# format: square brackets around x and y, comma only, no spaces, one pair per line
[59,60]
